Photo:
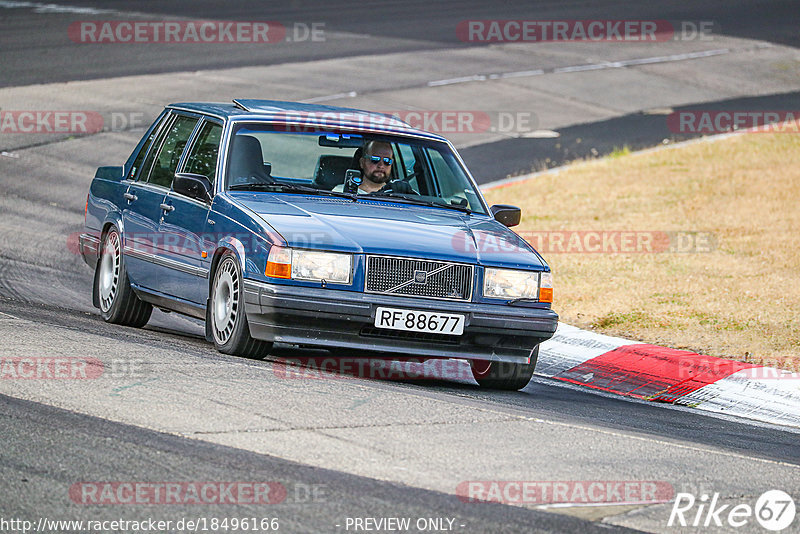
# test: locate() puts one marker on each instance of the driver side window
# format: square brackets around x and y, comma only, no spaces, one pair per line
[449,185]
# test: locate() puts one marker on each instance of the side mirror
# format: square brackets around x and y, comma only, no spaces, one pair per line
[507,215]
[192,185]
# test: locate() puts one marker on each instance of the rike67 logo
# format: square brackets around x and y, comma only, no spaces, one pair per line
[774,510]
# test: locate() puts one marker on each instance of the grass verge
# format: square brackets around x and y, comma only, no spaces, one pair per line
[712,263]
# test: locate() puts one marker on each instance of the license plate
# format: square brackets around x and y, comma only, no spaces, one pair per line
[419,321]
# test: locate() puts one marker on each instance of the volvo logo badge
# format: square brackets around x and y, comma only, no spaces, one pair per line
[420,277]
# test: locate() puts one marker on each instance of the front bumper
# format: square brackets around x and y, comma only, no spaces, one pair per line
[330,318]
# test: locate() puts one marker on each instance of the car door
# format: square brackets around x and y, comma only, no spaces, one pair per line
[183,225]
[141,212]
[146,198]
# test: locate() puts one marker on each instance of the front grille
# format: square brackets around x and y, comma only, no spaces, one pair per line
[420,278]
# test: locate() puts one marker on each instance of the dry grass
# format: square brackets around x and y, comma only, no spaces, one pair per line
[739,301]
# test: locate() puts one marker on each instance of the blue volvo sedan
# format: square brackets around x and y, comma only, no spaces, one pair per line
[321,227]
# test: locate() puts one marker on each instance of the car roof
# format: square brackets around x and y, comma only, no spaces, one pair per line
[312,115]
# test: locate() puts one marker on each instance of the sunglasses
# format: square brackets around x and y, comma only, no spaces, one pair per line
[377,159]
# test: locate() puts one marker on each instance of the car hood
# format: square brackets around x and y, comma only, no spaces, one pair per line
[391,228]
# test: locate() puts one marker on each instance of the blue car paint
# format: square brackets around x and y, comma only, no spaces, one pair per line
[248,224]
[184,234]
[383,227]
[141,219]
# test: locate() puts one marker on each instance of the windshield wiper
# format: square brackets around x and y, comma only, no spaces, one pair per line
[252,185]
[290,188]
[420,201]
[296,188]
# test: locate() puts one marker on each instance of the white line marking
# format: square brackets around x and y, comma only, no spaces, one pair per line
[348,35]
[540,134]
[675,57]
[462,79]
[337,96]
[521,73]
[55,8]
[582,68]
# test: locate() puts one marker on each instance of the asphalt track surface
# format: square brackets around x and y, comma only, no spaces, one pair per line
[316,500]
[375,448]
[34,49]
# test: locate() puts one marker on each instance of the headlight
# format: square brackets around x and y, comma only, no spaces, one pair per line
[511,284]
[313,265]
[309,265]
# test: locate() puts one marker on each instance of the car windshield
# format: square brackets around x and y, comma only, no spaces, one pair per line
[413,170]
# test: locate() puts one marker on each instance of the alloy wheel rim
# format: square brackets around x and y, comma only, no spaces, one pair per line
[225,307]
[109,271]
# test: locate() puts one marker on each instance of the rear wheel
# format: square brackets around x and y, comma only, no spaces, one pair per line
[504,375]
[229,327]
[118,303]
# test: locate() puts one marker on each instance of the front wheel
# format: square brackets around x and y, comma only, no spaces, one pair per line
[504,375]
[229,327]
[117,301]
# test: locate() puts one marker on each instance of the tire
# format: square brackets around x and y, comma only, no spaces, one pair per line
[504,375]
[228,321]
[117,302]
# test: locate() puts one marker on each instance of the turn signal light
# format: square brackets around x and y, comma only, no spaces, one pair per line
[279,263]
[546,287]
[546,294]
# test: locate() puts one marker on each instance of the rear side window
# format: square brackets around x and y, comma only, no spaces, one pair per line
[144,174]
[166,163]
[203,157]
[137,164]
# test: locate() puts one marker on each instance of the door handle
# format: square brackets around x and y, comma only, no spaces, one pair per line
[130,197]
[167,207]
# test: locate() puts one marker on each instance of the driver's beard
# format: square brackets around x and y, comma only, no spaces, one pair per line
[386,178]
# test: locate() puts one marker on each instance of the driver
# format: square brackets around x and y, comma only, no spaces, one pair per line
[376,171]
